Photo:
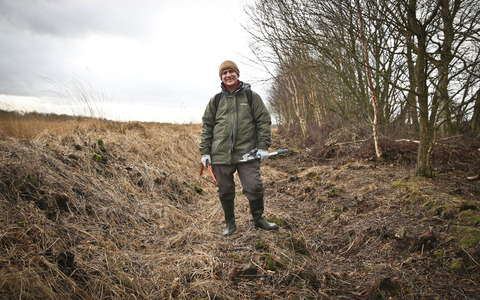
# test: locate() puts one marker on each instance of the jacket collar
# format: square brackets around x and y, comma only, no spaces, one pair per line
[239,87]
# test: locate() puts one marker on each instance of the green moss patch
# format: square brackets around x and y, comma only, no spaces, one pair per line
[99,158]
[272,263]
[465,235]
[100,145]
[469,217]
[275,220]
[456,265]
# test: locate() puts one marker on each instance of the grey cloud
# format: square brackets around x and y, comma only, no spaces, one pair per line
[19,62]
[34,35]
[65,18]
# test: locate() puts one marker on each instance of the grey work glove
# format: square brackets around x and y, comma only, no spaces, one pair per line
[206,158]
[263,154]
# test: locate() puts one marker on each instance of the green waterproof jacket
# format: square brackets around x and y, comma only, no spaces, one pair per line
[235,128]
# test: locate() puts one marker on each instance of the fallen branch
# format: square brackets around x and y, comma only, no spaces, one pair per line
[474,178]
[408,140]
[352,142]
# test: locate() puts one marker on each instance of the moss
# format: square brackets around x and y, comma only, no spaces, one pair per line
[456,265]
[414,197]
[435,211]
[438,254]
[466,235]
[466,213]
[338,209]
[401,183]
[275,220]
[466,205]
[271,263]
[100,145]
[197,189]
[99,158]
[260,245]
[469,217]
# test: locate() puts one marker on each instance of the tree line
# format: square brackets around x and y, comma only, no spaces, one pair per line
[407,66]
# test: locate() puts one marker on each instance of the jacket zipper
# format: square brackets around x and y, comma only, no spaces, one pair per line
[233,125]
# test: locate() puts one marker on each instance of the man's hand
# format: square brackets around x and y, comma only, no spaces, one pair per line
[263,154]
[206,158]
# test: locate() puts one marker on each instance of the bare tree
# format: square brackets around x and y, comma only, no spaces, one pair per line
[417,62]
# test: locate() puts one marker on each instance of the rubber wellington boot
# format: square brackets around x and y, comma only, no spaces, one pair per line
[229,212]
[257,208]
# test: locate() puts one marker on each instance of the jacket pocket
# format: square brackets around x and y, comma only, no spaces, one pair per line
[218,145]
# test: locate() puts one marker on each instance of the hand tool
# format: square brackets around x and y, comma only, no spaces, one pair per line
[248,156]
[211,173]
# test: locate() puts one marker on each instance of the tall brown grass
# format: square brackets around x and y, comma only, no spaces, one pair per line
[28,125]
[132,222]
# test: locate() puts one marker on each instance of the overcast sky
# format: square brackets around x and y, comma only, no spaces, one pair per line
[151,60]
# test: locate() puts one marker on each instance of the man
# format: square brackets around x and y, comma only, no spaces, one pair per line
[232,127]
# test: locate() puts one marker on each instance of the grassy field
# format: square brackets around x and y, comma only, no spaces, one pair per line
[94,209]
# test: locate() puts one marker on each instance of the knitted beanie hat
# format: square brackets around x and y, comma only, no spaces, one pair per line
[228,64]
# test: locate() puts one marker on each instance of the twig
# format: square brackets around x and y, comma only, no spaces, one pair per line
[348,247]
[470,256]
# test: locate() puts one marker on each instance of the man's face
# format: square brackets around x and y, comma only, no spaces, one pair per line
[229,78]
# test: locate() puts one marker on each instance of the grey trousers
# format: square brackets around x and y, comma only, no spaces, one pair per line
[249,174]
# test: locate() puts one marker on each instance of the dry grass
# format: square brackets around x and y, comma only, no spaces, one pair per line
[21,127]
[132,223]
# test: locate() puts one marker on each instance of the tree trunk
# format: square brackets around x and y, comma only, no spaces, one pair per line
[445,116]
[412,97]
[425,148]
[476,116]
[378,149]
[298,104]
[443,66]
